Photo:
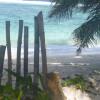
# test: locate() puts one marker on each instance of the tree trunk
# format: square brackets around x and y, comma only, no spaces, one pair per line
[8,43]
[36,52]
[19,42]
[25,51]
[2,54]
[43,48]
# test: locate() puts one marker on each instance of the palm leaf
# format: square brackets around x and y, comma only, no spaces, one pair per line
[63,8]
[88,32]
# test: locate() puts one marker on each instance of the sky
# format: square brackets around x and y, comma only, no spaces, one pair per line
[28,2]
[10,0]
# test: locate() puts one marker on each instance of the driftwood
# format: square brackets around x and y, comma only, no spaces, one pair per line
[2,54]
[55,90]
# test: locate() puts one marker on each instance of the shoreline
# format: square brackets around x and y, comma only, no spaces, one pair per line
[57,50]
[65,63]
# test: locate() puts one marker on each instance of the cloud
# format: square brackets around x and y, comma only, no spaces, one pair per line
[26,2]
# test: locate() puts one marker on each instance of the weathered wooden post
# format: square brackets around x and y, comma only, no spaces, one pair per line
[43,48]
[19,42]
[36,51]
[25,51]
[8,43]
[2,54]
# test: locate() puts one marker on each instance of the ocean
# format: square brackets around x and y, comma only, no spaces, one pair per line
[58,33]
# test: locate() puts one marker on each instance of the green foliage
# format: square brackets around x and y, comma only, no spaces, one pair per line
[24,82]
[41,95]
[78,81]
[8,93]
[26,89]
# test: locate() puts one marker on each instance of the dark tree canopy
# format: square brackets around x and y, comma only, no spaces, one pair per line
[89,31]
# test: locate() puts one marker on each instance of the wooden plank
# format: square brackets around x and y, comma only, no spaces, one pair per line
[25,51]
[43,48]
[8,43]
[2,54]
[19,43]
[36,52]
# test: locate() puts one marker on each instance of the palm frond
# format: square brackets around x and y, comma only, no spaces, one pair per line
[63,8]
[86,33]
[88,5]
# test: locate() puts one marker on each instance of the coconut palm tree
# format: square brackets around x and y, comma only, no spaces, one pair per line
[89,31]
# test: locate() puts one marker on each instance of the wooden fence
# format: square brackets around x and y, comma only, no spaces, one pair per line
[39,42]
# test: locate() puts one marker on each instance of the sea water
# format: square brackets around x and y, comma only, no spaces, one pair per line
[58,33]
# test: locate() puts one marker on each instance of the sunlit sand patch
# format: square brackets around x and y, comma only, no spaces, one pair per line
[63,93]
[74,94]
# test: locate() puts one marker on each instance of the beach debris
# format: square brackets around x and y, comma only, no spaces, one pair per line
[54,86]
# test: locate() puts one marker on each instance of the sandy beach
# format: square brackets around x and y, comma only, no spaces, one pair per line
[69,65]
[66,65]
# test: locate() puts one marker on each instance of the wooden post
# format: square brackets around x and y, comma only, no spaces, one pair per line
[2,54]
[36,52]
[8,43]
[19,42]
[43,48]
[25,51]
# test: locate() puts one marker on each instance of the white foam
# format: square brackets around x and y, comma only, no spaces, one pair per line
[26,2]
